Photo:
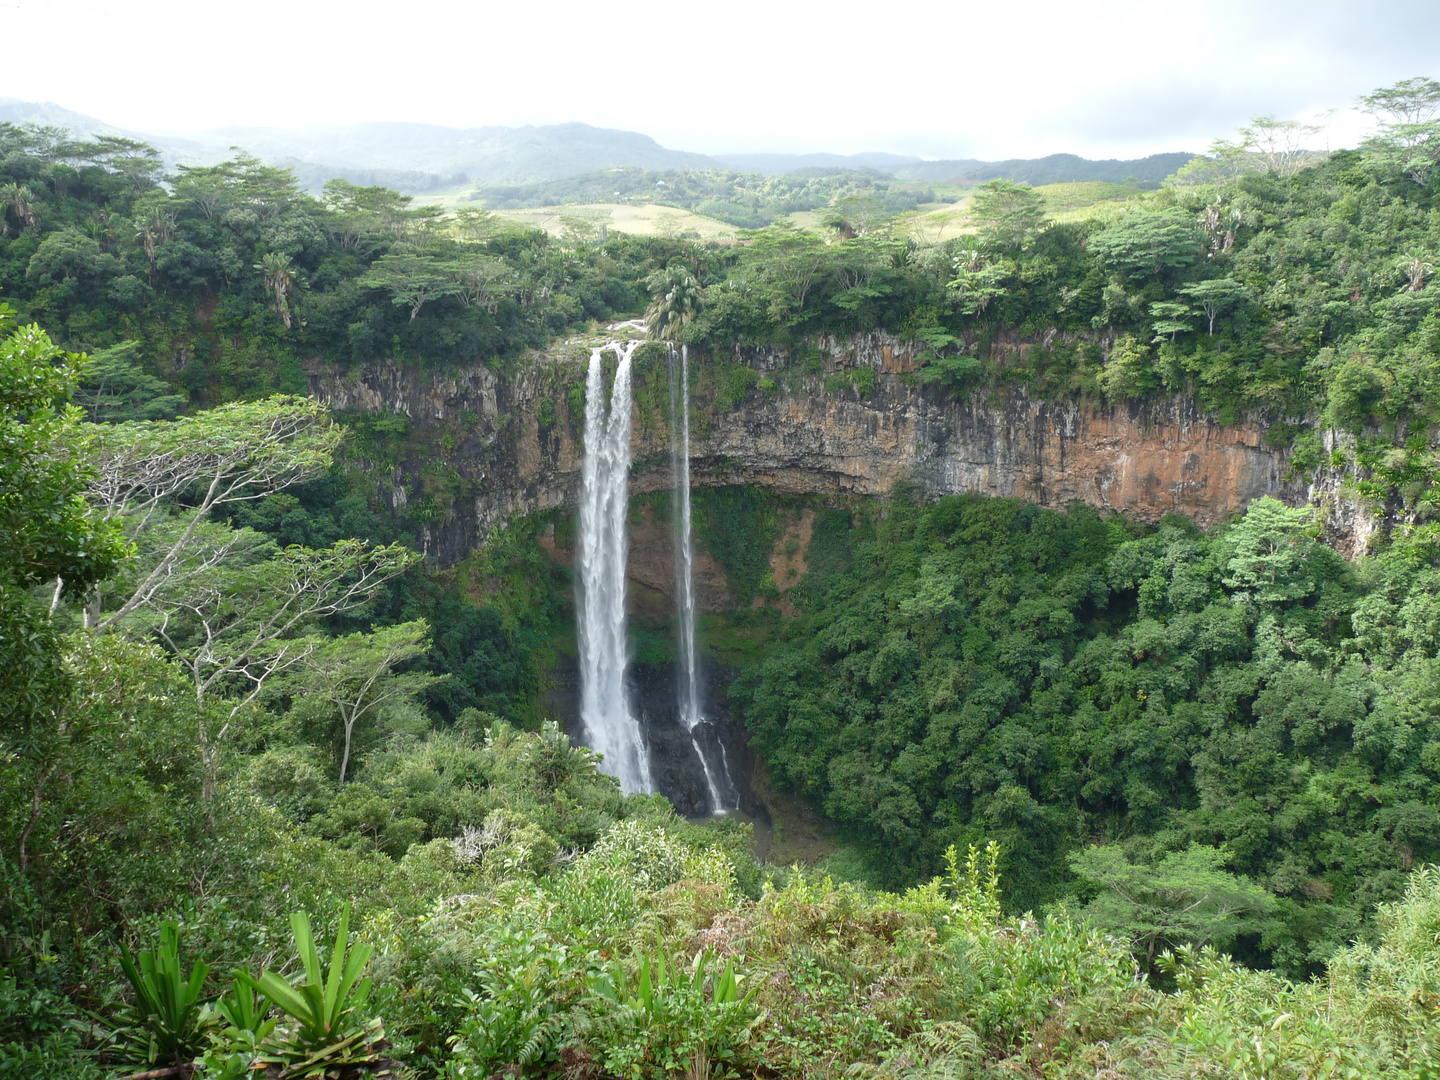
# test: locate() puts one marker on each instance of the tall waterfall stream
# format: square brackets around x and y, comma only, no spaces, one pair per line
[610,723]
[689,687]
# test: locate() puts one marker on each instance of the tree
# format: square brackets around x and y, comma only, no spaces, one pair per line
[1143,244]
[1128,373]
[47,530]
[1266,553]
[977,280]
[1357,392]
[264,190]
[19,200]
[1277,146]
[1409,101]
[69,254]
[1219,223]
[355,673]
[239,452]
[154,224]
[1170,318]
[138,162]
[674,302]
[854,215]
[48,533]
[1184,898]
[584,227]
[281,277]
[1409,135]
[233,623]
[115,388]
[411,280]
[479,279]
[477,225]
[1416,264]
[1265,144]
[776,270]
[1007,216]
[1214,296]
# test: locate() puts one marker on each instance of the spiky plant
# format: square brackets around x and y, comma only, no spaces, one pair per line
[281,277]
[327,1037]
[167,1026]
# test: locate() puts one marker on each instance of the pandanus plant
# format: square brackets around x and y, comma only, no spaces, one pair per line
[19,200]
[327,1036]
[1416,265]
[241,1019]
[675,301]
[281,278]
[656,986]
[168,1028]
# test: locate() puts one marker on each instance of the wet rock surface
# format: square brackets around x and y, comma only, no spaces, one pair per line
[813,433]
[676,766]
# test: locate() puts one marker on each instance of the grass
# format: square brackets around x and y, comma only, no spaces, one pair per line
[936,223]
[933,223]
[1089,199]
[643,219]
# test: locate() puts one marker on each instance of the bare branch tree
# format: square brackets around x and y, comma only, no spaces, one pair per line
[235,453]
[234,628]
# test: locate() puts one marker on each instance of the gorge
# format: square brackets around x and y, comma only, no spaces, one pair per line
[1050,576]
[845,420]
[812,432]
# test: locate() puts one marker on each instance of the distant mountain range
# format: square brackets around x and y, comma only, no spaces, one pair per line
[775,164]
[47,113]
[1055,169]
[416,158]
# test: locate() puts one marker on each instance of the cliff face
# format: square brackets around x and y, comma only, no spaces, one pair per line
[507,453]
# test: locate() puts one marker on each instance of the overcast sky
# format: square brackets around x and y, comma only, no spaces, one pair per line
[954,78]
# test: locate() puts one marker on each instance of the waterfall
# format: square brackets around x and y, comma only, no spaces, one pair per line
[689,689]
[610,725]
[684,584]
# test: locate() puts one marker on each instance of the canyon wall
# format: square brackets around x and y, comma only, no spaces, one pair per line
[485,446]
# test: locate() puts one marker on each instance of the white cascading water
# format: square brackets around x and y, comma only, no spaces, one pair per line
[689,686]
[610,725]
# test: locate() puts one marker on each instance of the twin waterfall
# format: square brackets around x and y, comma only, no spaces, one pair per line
[606,711]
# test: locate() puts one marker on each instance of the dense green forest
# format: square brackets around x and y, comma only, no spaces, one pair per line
[1116,800]
[981,669]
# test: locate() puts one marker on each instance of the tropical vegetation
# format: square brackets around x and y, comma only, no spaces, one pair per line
[280,794]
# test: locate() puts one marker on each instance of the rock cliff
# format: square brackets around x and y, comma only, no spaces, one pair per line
[485,446]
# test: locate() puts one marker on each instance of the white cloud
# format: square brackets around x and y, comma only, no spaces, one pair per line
[934,77]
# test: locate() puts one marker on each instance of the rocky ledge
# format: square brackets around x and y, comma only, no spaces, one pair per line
[506,452]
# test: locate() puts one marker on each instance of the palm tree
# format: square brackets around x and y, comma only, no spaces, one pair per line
[153,229]
[18,199]
[675,301]
[281,277]
[1416,265]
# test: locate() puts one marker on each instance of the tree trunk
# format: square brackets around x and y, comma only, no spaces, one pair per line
[21,857]
[210,784]
[345,758]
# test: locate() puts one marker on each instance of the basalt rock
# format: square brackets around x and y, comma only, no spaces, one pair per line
[485,446]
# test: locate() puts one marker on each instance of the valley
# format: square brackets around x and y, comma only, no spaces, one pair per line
[649,614]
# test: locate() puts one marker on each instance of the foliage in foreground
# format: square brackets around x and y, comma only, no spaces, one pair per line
[612,965]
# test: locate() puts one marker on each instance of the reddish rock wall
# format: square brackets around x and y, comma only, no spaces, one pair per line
[1146,460]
